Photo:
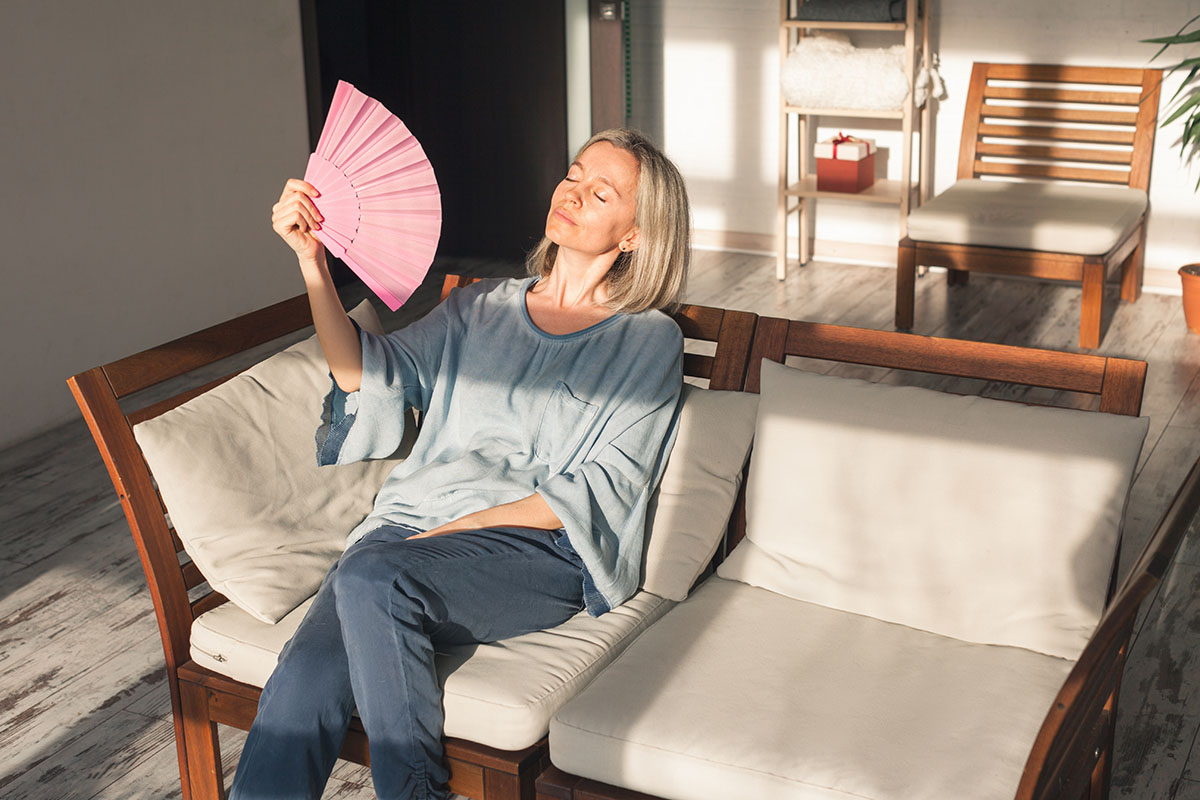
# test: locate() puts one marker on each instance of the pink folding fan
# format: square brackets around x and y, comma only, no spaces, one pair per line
[379,197]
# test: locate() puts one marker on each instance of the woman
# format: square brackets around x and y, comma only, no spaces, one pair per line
[549,407]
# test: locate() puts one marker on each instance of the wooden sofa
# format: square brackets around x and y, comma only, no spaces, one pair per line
[203,697]
[1074,739]
[643,729]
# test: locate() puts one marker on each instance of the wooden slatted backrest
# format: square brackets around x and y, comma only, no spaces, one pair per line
[1091,124]
[1118,382]
[169,572]
[1076,731]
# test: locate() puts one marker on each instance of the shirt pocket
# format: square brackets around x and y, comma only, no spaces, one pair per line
[564,422]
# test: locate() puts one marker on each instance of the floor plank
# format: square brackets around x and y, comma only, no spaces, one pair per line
[115,744]
[115,661]
[1186,790]
[1159,710]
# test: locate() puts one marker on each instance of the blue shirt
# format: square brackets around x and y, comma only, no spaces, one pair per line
[585,419]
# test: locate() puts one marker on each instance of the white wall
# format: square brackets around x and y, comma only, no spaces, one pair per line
[706,74]
[142,144]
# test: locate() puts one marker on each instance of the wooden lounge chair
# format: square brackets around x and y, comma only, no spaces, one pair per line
[1026,128]
[202,698]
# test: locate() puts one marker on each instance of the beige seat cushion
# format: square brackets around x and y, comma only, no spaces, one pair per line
[501,695]
[1059,218]
[742,693]
[237,468]
[983,520]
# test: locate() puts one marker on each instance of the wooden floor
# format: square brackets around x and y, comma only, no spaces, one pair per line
[84,711]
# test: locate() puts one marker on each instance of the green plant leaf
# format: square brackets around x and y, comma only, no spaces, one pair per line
[1179,38]
[1167,41]
[1187,62]
[1191,102]
[1186,81]
[1189,135]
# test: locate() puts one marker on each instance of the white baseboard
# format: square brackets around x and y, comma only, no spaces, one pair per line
[1157,281]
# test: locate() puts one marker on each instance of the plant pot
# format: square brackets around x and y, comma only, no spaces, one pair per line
[1190,275]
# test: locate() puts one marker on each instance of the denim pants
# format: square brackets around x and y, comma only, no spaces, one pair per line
[368,641]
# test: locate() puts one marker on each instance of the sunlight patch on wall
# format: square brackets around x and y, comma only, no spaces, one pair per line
[699,108]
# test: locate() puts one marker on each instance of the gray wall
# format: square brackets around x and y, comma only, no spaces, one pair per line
[142,144]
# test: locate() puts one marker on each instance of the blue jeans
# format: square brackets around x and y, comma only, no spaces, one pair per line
[369,640]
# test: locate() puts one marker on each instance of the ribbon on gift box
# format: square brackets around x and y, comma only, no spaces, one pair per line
[842,138]
[859,148]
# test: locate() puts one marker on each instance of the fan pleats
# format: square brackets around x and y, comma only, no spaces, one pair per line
[379,197]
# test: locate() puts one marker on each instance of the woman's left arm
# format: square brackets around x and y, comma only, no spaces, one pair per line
[529,512]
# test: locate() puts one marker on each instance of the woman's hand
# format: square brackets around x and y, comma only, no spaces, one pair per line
[528,512]
[295,217]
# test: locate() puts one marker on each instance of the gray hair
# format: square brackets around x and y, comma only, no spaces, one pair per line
[653,275]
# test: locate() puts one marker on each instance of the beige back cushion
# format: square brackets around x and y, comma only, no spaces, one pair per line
[238,472]
[978,519]
[689,513]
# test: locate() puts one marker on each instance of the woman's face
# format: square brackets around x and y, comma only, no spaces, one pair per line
[592,208]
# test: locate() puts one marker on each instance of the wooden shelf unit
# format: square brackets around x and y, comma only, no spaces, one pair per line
[796,196]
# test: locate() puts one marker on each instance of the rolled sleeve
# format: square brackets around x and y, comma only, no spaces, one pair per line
[397,374]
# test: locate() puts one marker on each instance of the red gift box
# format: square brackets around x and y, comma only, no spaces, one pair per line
[851,169]
[835,175]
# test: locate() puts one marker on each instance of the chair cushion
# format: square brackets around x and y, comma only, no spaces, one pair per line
[238,472]
[739,692]
[983,520]
[690,510]
[501,694]
[1053,217]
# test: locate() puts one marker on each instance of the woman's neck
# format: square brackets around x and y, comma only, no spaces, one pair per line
[579,280]
[573,296]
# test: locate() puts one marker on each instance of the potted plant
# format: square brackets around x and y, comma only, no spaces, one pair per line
[1186,105]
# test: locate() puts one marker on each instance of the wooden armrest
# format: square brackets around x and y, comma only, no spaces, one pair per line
[1076,736]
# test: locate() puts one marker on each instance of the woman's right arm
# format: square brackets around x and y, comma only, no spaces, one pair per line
[294,218]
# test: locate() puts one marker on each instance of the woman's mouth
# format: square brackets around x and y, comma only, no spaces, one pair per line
[558,212]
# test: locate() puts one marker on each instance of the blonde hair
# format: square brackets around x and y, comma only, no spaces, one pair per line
[652,275]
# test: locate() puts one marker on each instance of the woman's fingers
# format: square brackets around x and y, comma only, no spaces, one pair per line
[297,185]
[310,209]
[298,206]
[295,217]
[296,190]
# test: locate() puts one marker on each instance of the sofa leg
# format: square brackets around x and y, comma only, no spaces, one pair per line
[906,286]
[1091,311]
[204,777]
[554,784]
[180,738]
[957,277]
